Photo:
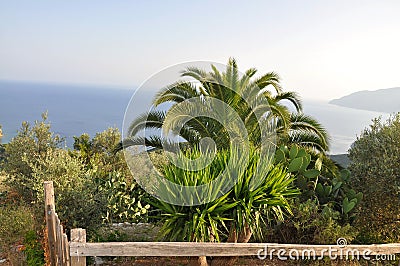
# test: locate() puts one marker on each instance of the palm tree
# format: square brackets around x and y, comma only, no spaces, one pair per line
[258,102]
[229,87]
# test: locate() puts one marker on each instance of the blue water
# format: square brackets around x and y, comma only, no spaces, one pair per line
[74,110]
[343,124]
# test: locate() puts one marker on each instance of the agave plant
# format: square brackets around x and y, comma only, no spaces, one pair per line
[236,215]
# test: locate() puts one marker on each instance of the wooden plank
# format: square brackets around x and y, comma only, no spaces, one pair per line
[60,241]
[59,247]
[66,255]
[218,249]
[50,220]
[78,235]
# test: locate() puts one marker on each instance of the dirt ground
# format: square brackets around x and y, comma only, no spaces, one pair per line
[179,261]
[243,261]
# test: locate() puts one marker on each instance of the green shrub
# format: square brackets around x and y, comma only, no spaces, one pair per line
[33,249]
[123,200]
[34,156]
[312,224]
[91,183]
[375,165]
[2,154]
[324,210]
[78,203]
[17,224]
[121,195]
[30,144]
[98,153]
[92,186]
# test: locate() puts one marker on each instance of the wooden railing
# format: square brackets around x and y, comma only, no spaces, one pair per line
[74,253]
[196,249]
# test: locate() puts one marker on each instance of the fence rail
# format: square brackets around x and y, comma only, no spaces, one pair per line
[195,249]
[74,253]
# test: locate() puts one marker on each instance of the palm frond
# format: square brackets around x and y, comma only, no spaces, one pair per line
[269,79]
[305,123]
[216,75]
[152,141]
[308,140]
[282,113]
[199,75]
[231,75]
[177,92]
[244,81]
[152,119]
[292,97]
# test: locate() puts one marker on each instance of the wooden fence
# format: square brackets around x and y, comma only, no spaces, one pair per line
[58,245]
[74,253]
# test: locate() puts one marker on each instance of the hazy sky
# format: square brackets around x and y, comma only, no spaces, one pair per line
[322,49]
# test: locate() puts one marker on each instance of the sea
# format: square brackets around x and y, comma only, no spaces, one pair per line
[76,109]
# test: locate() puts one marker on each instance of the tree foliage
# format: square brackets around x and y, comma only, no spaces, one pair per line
[90,181]
[375,166]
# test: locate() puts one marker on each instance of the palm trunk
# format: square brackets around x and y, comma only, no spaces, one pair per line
[245,235]
[198,261]
[234,237]
[202,260]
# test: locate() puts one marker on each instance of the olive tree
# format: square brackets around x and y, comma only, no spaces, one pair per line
[375,166]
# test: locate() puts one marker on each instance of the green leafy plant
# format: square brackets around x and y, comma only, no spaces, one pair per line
[327,201]
[232,217]
[93,186]
[33,249]
[375,167]
[16,224]
[30,144]
[312,224]
[124,200]
[315,182]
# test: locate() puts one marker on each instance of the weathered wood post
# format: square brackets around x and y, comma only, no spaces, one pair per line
[67,258]
[50,221]
[78,235]
[59,242]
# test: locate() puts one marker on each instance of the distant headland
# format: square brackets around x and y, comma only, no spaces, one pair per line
[384,100]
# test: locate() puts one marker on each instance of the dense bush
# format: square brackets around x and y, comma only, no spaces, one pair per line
[98,153]
[30,144]
[2,153]
[123,200]
[19,241]
[34,156]
[324,211]
[86,193]
[375,166]
[122,196]
[311,223]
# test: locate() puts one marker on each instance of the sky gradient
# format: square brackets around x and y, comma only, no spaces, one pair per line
[321,49]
